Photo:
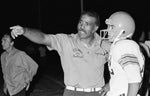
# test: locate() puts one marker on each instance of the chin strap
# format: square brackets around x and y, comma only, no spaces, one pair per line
[120,38]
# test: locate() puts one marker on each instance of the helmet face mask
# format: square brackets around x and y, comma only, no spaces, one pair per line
[110,33]
[119,25]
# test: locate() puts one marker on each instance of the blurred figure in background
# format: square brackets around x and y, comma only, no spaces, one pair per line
[145,48]
[17,67]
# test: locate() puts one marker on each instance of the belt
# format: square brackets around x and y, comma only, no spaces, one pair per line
[83,89]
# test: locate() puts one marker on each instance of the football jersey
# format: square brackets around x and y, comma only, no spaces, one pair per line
[125,58]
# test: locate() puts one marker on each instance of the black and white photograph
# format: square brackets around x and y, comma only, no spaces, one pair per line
[75,48]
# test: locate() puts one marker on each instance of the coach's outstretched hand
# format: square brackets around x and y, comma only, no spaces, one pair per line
[16,30]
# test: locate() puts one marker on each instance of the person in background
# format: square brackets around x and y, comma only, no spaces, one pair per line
[145,87]
[18,68]
[82,55]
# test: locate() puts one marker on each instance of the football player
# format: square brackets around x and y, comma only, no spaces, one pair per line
[126,61]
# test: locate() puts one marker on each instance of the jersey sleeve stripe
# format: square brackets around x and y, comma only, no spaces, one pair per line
[128,59]
[128,63]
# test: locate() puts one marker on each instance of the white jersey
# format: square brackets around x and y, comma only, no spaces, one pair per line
[125,58]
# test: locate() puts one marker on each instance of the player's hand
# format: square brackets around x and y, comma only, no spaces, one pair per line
[104,90]
[16,30]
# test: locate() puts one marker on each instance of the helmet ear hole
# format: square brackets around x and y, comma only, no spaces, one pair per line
[123,32]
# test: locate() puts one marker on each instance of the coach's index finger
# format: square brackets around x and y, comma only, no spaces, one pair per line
[102,92]
[14,27]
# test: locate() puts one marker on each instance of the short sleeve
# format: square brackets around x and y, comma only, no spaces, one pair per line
[133,73]
[131,60]
[57,42]
[130,65]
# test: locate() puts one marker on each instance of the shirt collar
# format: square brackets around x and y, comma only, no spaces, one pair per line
[96,41]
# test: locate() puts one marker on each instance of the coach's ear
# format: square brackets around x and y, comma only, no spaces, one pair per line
[12,43]
[95,28]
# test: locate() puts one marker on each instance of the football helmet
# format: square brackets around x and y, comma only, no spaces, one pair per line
[120,25]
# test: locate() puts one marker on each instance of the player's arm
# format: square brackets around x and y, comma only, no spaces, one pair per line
[33,35]
[130,65]
[133,89]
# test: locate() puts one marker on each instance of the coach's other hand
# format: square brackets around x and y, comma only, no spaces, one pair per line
[104,90]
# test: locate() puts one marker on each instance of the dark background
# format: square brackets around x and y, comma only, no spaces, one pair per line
[54,16]
[61,16]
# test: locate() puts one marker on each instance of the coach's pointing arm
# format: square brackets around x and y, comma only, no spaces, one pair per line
[33,35]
